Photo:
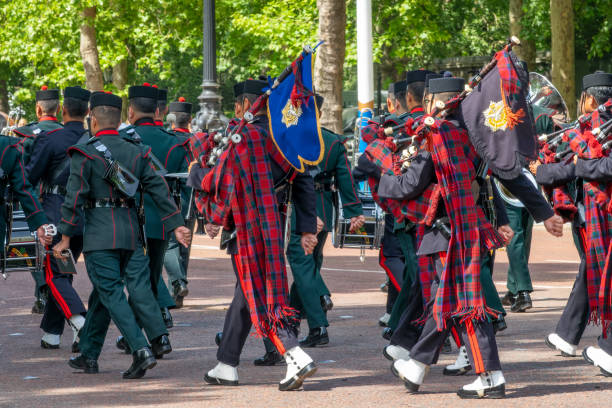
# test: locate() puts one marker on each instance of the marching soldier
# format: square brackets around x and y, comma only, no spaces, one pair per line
[50,165]
[47,108]
[176,260]
[105,175]
[309,294]
[581,307]
[174,157]
[269,181]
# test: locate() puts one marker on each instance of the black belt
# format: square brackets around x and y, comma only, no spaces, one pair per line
[110,203]
[323,186]
[54,189]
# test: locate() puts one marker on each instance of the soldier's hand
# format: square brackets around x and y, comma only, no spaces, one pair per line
[60,247]
[43,238]
[309,242]
[506,232]
[212,230]
[356,223]
[554,225]
[183,235]
[320,225]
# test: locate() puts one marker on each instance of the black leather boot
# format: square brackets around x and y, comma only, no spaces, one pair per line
[167,318]
[83,363]
[123,345]
[522,302]
[143,360]
[326,303]
[160,346]
[269,359]
[316,337]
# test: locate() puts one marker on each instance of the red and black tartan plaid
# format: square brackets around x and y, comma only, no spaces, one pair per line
[460,294]
[371,132]
[241,184]
[420,210]
[598,222]
[562,202]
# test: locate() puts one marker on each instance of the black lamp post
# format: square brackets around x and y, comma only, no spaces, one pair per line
[209,117]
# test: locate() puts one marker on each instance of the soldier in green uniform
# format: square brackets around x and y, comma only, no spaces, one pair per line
[176,260]
[309,294]
[12,174]
[47,108]
[519,279]
[112,242]
[173,156]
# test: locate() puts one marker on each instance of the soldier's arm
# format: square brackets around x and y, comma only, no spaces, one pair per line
[351,204]
[500,207]
[555,174]
[157,188]
[77,191]
[530,196]
[411,184]
[594,169]
[22,188]
[304,204]
[42,151]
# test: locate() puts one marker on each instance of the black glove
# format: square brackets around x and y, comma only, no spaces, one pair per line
[367,167]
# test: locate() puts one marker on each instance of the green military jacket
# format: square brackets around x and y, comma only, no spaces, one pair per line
[173,155]
[335,169]
[13,174]
[543,120]
[29,132]
[113,227]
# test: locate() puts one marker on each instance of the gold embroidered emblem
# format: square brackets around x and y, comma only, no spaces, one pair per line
[291,114]
[495,116]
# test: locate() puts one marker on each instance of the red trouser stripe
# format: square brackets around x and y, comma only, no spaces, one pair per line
[56,294]
[456,336]
[474,347]
[381,262]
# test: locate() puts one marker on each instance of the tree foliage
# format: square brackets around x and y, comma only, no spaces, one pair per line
[161,40]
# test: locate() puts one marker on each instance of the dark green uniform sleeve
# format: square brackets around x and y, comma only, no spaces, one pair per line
[351,205]
[157,188]
[77,191]
[22,188]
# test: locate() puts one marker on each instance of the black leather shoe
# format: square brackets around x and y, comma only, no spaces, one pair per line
[143,360]
[316,337]
[123,345]
[499,324]
[508,299]
[218,337]
[167,318]
[83,363]
[179,292]
[522,302]
[326,303]
[46,345]
[387,333]
[161,346]
[269,359]
[39,306]
[75,347]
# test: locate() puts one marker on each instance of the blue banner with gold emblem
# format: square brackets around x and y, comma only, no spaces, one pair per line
[294,121]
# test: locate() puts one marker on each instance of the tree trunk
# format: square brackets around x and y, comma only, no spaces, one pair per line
[120,76]
[562,50]
[89,51]
[527,50]
[329,65]
[4,97]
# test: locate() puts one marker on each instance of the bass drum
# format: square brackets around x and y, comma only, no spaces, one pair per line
[21,250]
[369,236]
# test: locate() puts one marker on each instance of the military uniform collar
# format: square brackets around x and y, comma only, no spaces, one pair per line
[418,109]
[74,124]
[159,123]
[107,132]
[47,118]
[181,130]
[145,122]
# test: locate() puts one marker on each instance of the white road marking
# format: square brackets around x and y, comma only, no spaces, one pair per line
[197,246]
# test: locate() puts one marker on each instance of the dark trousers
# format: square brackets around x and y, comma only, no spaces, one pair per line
[176,259]
[156,251]
[64,300]
[407,242]
[305,294]
[110,271]
[478,336]
[391,259]
[407,333]
[518,250]
[575,316]
[237,326]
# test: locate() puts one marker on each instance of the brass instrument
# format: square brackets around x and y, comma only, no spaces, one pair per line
[507,196]
[12,121]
